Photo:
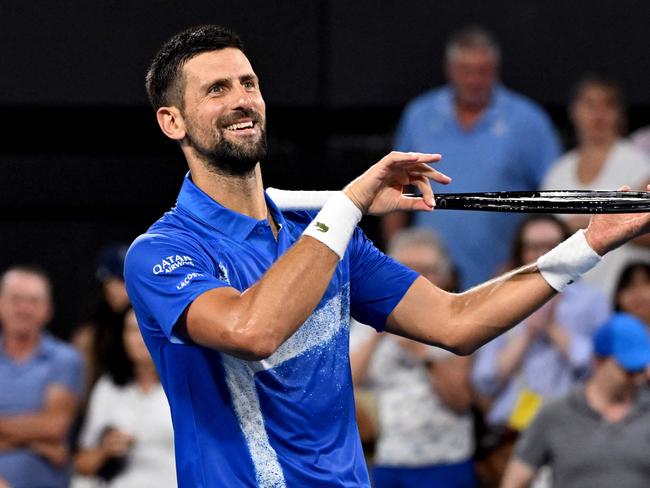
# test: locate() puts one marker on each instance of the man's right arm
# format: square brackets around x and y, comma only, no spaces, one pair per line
[252,324]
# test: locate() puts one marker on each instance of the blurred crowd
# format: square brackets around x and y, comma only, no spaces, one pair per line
[560,400]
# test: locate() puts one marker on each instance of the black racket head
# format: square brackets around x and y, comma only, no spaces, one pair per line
[550,201]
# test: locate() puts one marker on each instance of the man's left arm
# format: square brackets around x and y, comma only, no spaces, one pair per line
[463,322]
[50,424]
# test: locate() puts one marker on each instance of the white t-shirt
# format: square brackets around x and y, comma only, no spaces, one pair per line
[416,428]
[625,165]
[146,416]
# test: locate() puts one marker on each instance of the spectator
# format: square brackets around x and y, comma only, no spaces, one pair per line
[491,139]
[544,358]
[40,384]
[423,394]
[95,338]
[633,291]
[127,440]
[601,161]
[597,436]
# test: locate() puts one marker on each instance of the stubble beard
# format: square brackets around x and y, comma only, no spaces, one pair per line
[228,158]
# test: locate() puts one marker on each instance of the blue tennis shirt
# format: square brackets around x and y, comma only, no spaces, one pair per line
[287,421]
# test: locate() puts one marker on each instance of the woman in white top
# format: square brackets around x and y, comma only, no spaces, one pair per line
[603,160]
[127,440]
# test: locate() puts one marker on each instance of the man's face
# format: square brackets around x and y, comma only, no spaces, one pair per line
[618,381]
[538,238]
[635,297]
[25,304]
[426,261]
[472,73]
[224,112]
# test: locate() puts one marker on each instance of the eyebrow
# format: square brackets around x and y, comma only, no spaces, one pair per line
[228,81]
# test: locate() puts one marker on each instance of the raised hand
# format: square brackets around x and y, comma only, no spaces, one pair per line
[379,190]
[609,231]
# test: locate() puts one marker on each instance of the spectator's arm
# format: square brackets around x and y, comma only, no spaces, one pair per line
[5,445]
[114,443]
[560,338]
[511,356]
[52,423]
[450,379]
[56,452]
[518,474]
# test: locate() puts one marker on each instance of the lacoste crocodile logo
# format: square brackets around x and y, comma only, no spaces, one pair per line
[321,227]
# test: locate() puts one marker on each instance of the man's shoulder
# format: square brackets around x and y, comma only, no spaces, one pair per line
[60,351]
[166,233]
[555,412]
[519,104]
[427,100]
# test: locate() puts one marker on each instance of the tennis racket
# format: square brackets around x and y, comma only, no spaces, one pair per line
[552,201]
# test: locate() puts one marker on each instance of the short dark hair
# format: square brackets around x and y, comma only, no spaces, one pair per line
[600,80]
[164,80]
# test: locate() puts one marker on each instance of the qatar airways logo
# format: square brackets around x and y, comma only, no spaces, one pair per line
[171,263]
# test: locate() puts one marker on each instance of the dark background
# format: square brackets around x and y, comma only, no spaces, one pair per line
[82,160]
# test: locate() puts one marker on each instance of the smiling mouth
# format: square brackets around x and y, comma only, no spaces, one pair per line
[240,126]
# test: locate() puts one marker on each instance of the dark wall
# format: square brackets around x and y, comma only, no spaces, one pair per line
[336,53]
[83,162]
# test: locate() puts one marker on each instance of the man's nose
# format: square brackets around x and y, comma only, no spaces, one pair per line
[243,98]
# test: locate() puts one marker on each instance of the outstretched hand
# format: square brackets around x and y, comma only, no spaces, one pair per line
[379,190]
[609,231]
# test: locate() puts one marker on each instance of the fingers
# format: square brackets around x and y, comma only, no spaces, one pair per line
[421,169]
[422,184]
[396,158]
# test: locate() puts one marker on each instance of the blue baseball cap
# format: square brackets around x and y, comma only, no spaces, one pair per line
[110,262]
[625,338]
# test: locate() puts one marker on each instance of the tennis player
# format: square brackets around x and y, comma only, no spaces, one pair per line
[245,308]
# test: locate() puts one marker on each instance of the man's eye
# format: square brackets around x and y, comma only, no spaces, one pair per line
[249,85]
[216,89]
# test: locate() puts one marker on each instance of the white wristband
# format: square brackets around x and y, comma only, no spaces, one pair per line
[299,200]
[335,223]
[568,261]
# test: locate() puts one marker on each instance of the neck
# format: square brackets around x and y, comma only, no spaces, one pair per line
[20,347]
[467,107]
[597,144]
[146,375]
[467,113]
[243,194]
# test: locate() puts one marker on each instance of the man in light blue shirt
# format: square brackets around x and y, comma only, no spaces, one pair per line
[40,385]
[491,139]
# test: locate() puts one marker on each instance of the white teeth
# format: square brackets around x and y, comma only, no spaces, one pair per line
[243,125]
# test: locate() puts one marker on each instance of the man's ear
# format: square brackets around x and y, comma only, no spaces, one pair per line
[171,122]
